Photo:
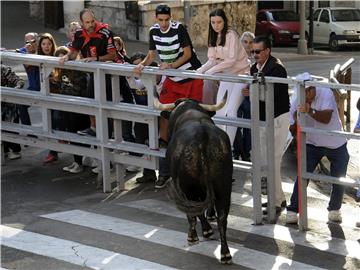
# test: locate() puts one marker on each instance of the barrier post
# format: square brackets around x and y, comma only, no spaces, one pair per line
[302,182]
[270,152]
[255,152]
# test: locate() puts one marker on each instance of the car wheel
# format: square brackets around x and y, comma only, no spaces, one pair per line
[272,39]
[333,43]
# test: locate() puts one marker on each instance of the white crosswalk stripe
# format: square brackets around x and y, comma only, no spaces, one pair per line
[91,256]
[170,238]
[72,252]
[278,232]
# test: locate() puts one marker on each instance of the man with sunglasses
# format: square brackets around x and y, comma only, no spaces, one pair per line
[268,65]
[33,73]
[173,45]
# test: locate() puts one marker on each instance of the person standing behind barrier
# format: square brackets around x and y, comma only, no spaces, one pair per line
[174,47]
[268,65]
[32,72]
[321,112]
[95,42]
[70,34]
[9,111]
[242,143]
[225,55]
[72,83]
[47,46]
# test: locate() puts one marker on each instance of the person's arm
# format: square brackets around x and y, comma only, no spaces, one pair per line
[110,56]
[69,56]
[210,62]
[180,61]
[322,116]
[150,57]
[135,83]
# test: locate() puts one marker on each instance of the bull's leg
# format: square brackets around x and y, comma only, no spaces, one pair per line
[222,210]
[210,213]
[205,226]
[192,235]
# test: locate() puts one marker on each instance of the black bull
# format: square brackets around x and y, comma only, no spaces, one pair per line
[201,165]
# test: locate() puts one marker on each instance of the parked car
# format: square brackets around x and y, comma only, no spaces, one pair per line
[336,26]
[281,26]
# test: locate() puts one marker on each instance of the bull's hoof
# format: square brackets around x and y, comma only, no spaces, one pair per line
[208,233]
[226,259]
[193,240]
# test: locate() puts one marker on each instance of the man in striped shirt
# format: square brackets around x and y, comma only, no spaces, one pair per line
[173,45]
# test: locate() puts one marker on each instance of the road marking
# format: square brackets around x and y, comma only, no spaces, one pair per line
[319,214]
[338,246]
[241,255]
[72,252]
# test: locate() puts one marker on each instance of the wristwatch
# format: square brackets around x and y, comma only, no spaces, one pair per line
[312,111]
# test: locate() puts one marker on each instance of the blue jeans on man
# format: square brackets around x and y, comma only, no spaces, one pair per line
[339,159]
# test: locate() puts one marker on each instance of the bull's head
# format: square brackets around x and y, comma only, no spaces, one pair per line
[170,106]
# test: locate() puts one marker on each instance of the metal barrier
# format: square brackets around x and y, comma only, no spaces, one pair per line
[115,149]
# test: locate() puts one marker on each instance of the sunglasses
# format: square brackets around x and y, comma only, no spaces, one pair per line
[257,51]
[30,41]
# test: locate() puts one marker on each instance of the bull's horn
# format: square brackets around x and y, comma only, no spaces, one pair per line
[216,107]
[163,107]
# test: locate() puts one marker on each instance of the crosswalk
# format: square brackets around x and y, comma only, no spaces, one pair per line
[151,234]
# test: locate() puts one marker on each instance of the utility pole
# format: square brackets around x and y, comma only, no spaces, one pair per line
[302,44]
[311,28]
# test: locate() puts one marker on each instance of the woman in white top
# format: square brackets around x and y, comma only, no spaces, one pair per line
[226,55]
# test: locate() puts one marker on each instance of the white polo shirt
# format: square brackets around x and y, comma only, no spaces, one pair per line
[324,100]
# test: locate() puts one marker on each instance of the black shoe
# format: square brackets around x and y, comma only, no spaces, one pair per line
[283,204]
[162,181]
[146,179]
[278,210]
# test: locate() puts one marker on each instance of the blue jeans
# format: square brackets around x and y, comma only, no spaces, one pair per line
[339,159]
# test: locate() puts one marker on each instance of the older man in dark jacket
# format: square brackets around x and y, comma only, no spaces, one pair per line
[271,66]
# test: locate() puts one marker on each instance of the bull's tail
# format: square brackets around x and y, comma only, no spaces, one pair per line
[190,207]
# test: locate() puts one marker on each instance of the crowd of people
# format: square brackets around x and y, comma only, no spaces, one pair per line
[228,53]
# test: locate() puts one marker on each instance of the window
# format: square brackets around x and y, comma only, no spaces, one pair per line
[316,14]
[324,17]
[261,17]
[345,15]
[284,16]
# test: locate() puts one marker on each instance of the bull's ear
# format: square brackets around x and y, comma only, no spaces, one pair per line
[165,114]
[211,114]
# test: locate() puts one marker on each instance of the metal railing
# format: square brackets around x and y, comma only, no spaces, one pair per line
[115,149]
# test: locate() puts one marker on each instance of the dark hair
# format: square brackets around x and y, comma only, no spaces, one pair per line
[136,56]
[162,9]
[212,37]
[52,40]
[84,11]
[265,40]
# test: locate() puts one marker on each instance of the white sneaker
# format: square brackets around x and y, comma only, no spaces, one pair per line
[77,168]
[68,168]
[14,155]
[335,216]
[291,217]
[96,170]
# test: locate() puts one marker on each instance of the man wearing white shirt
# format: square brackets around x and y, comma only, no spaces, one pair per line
[320,112]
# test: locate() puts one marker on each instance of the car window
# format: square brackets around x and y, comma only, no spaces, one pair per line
[316,14]
[283,16]
[345,15]
[324,17]
[261,17]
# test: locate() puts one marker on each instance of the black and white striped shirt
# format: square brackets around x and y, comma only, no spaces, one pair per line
[170,44]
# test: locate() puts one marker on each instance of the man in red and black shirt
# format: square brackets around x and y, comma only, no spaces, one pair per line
[94,40]
[95,43]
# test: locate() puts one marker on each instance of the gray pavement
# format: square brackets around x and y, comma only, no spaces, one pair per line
[138,226]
